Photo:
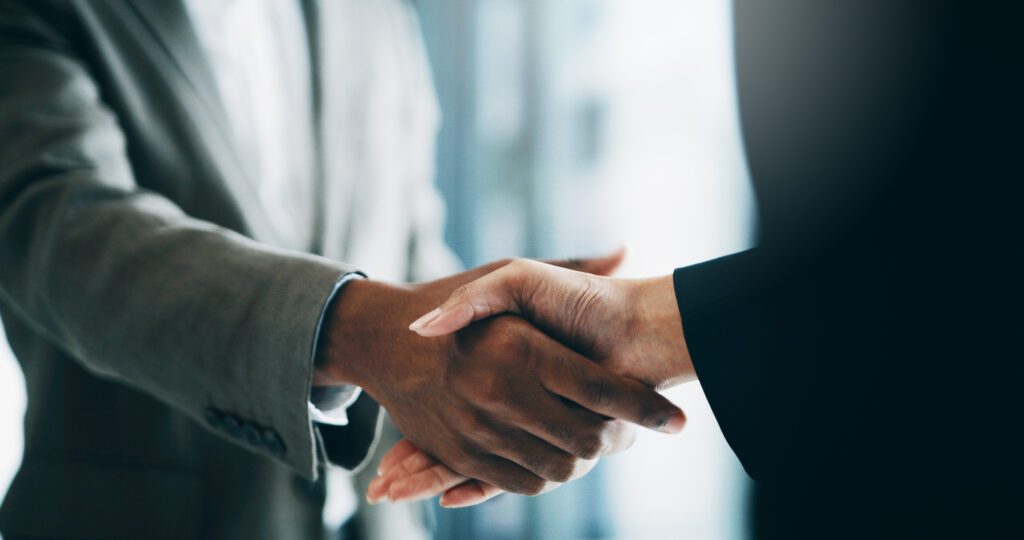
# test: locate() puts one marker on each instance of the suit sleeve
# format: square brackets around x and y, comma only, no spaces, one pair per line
[782,350]
[715,303]
[201,318]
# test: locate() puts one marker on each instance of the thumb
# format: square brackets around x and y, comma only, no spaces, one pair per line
[604,265]
[493,294]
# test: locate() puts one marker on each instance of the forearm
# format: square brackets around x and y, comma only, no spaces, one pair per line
[197,316]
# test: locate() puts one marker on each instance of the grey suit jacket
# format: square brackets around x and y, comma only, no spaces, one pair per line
[166,345]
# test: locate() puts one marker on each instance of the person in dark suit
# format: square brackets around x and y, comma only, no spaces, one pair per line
[859,360]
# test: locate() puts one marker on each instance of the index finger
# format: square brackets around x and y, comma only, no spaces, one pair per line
[603,265]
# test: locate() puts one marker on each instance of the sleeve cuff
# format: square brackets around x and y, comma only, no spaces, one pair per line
[716,307]
[329,404]
[703,286]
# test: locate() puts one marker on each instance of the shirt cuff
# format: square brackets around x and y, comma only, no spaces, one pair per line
[329,404]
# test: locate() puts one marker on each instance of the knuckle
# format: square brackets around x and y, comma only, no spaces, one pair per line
[489,440]
[511,340]
[590,447]
[520,481]
[463,463]
[462,383]
[470,424]
[460,292]
[560,432]
[549,465]
[532,487]
[562,470]
[520,263]
[491,387]
[521,270]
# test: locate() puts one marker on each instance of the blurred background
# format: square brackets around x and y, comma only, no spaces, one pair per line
[572,127]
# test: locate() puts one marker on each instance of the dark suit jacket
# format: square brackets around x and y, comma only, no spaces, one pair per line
[859,361]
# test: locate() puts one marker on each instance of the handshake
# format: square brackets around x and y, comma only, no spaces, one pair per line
[518,378]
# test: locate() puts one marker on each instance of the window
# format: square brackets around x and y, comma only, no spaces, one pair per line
[571,127]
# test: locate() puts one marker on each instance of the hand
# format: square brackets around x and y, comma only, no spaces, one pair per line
[499,401]
[407,473]
[632,327]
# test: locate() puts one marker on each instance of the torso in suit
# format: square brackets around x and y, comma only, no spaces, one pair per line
[861,361]
[164,327]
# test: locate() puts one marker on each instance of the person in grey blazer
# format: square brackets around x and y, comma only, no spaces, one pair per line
[194,352]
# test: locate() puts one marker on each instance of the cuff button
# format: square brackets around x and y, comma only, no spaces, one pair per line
[272,442]
[231,425]
[213,417]
[252,434]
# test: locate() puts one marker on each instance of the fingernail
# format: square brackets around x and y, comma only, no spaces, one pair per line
[443,502]
[373,494]
[422,322]
[674,424]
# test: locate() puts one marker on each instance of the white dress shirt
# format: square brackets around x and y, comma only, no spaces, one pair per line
[259,54]
[378,119]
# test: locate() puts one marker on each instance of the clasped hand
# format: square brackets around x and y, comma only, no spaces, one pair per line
[550,410]
[499,401]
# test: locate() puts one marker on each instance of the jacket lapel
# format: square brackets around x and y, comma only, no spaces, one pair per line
[168,22]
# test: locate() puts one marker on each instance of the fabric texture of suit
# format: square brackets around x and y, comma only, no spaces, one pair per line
[857,360]
[164,330]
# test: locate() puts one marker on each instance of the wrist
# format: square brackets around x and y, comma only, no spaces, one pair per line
[661,326]
[363,331]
